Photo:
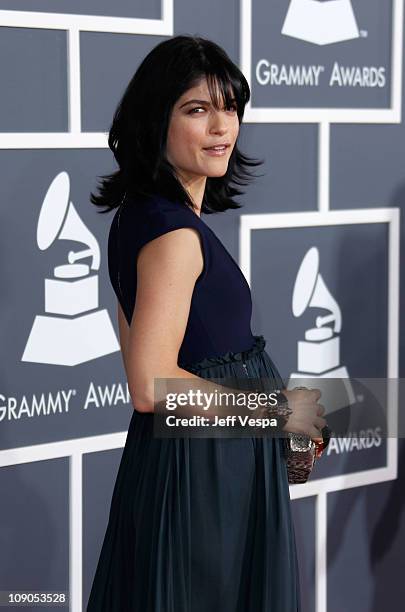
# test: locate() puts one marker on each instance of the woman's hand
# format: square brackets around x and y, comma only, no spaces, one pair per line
[306,414]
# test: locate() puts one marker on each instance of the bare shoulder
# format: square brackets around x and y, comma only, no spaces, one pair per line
[177,252]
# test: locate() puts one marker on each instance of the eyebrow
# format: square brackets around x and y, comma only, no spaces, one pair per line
[201,102]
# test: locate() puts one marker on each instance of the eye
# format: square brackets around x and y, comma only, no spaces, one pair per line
[233,108]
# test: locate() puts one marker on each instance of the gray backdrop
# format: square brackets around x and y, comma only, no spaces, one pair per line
[61,80]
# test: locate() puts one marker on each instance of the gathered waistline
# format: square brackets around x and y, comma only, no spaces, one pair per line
[228,357]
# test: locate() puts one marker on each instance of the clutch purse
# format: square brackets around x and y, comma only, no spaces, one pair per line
[301,453]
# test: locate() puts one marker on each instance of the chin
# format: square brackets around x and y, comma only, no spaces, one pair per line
[221,172]
[218,172]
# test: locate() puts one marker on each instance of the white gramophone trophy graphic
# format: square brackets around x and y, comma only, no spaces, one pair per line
[321,22]
[73,329]
[319,353]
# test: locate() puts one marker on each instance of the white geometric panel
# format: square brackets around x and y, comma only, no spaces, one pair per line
[73,25]
[321,23]
[321,487]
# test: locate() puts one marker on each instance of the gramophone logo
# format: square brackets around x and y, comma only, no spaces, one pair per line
[319,352]
[321,23]
[73,329]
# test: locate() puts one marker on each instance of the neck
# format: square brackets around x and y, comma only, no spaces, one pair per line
[195,187]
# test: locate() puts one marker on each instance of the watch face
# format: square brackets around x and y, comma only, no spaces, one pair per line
[300,443]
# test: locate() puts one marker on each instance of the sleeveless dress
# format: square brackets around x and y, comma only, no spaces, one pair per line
[196,524]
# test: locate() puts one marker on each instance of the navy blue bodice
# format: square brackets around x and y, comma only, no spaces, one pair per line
[221,305]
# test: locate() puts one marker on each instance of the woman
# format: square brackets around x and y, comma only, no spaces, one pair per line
[196,524]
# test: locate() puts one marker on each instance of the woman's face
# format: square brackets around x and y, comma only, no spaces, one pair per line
[195,125]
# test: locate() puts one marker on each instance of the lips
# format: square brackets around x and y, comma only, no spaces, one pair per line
[217,147]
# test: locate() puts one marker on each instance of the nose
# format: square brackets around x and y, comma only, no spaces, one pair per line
[218,123]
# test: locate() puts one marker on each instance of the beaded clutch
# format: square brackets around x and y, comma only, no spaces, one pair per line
[301,453]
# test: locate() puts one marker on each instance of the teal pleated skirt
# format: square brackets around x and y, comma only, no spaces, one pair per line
[200,524]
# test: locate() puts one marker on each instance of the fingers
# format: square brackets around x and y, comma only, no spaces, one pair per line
[307,414]
[317,394]
[314,433]
[320,423]
[321,409]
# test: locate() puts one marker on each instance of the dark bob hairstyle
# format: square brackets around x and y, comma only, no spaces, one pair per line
[138,133]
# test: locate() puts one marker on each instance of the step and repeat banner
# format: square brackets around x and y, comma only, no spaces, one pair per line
[324,271]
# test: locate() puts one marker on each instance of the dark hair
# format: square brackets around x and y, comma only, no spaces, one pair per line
[138,133]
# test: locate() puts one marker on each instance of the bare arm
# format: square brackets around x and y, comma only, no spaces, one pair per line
[167,269]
